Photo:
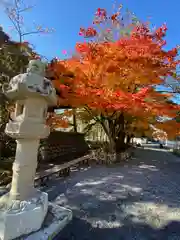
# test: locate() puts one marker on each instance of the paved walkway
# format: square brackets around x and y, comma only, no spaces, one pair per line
[139,200]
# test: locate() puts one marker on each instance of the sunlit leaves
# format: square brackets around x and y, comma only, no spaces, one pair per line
[119,75]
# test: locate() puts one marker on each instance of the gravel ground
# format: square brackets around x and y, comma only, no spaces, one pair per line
[139,200]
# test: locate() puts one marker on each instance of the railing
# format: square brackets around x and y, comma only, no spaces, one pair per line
[62,170]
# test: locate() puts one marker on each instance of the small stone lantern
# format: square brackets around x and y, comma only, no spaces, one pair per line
[24,208]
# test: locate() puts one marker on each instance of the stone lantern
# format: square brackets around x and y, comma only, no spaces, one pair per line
[23,209]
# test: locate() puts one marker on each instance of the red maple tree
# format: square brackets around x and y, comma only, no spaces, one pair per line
[114,81]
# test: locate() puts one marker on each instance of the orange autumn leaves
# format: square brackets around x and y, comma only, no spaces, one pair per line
[171,127]
[107,75]
[56,120]
[118,75]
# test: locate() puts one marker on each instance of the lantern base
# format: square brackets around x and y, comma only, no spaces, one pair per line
[23,217]
[57,218]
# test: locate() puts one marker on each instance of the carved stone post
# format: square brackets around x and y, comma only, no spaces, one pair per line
[24,208]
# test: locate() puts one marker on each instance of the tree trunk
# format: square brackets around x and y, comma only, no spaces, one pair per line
[74,120]
[116,140]
[120,142]
[128,139]
[120,139]
[112,144]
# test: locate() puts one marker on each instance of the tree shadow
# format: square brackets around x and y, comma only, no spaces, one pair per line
[137,200]
[80,229]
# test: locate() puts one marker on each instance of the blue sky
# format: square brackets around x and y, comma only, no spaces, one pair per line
[66,17]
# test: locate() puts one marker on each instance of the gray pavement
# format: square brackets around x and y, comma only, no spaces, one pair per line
[139,200]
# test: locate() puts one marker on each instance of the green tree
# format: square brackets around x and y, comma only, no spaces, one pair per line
[14,55]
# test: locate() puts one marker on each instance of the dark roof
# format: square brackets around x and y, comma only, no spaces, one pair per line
[4,38]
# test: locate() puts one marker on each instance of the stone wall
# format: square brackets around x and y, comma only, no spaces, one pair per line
[102,157]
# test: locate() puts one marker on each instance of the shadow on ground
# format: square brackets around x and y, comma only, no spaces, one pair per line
[83,230]
[137,200]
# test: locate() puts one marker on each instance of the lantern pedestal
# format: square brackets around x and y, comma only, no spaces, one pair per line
[24,210]
[56,219]
[36,220]
[23,217]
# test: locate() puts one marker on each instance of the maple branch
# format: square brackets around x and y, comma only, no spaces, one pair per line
[91,114]
[112,127]
[113,114]
[105,129]
[88,128]
[98,120]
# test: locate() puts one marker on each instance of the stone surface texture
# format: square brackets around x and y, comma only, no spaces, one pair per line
[56,219]
[24,208]
[23,217]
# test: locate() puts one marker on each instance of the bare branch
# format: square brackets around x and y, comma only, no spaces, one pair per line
[33,32]
[13,22]
[26,9]
[15,14]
